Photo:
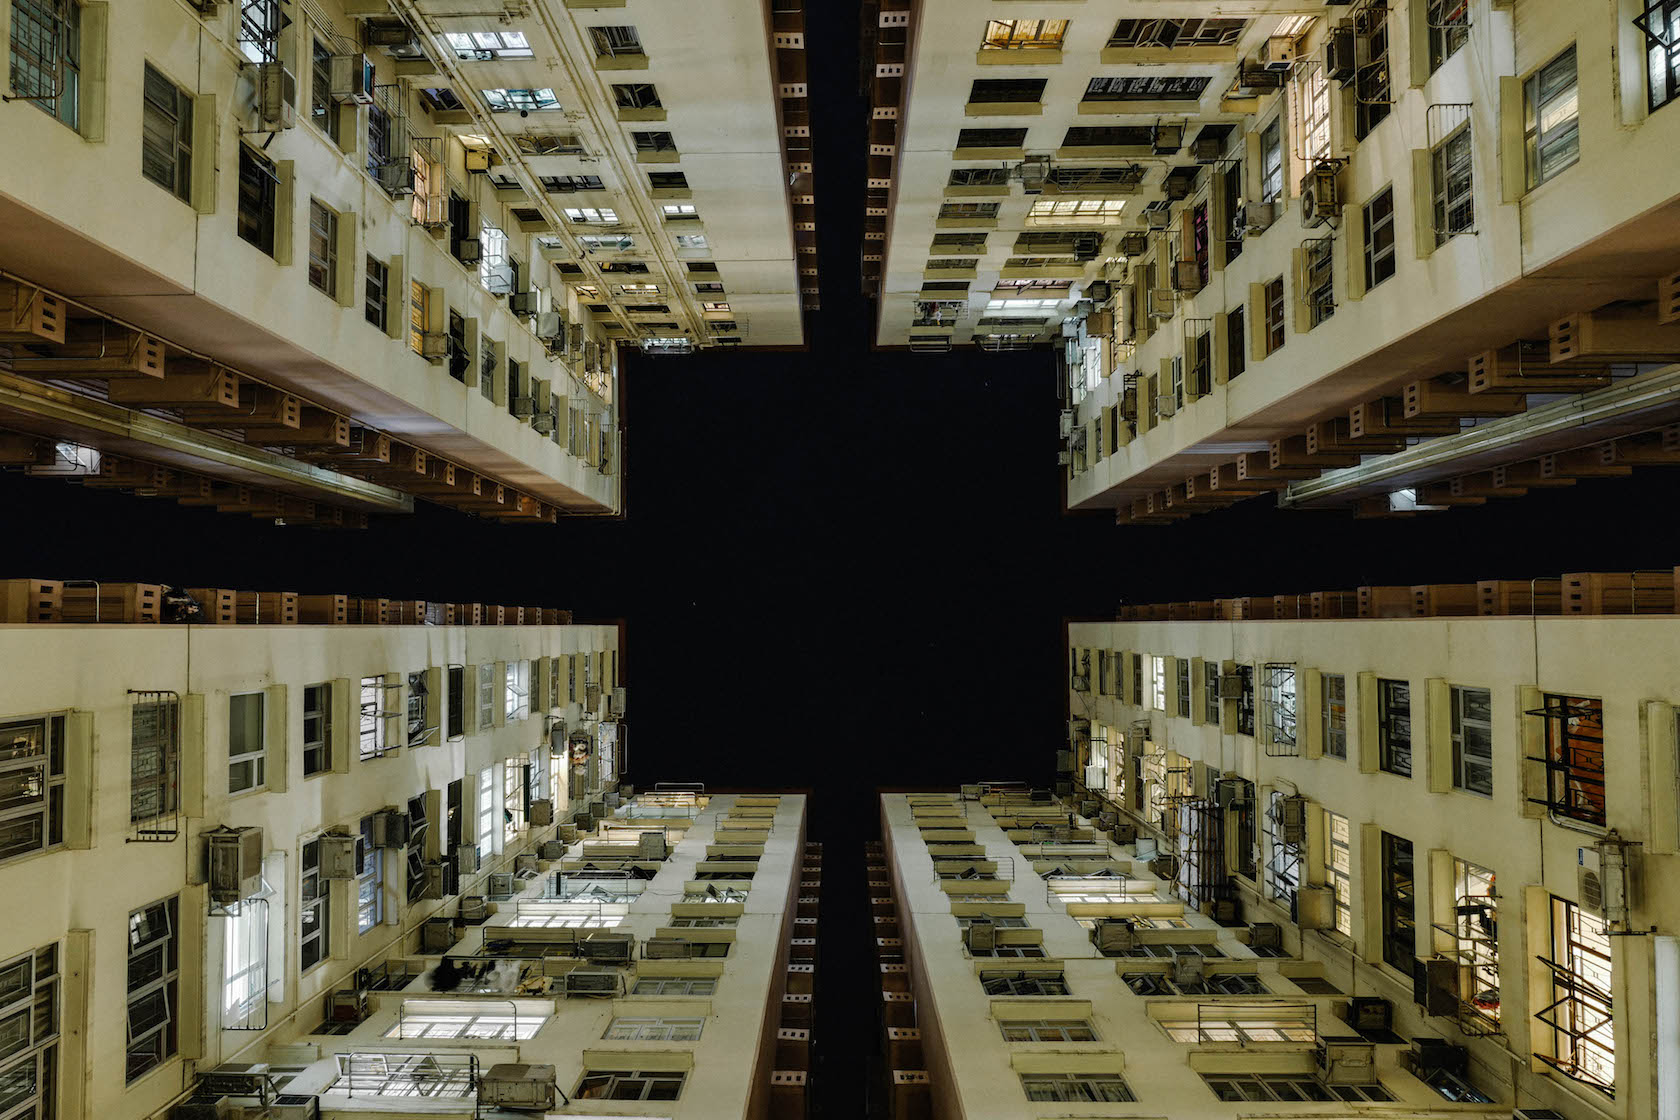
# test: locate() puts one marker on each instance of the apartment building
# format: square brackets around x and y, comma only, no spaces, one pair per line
[313,259]
[1464,822]
[242,852]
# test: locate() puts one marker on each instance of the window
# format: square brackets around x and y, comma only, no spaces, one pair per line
[1210,692]
[1075,1087]
[979,177]
[314,920]
[509,1020]
[494,274]
[570,184]
[520,101]
[419,315]
[1236,343]
[1661,25]
[1379,238]
[1312,107]
[1394,727]
[1455,209]
[166,126]
[247,749]
[1273,311]
[1007,91]
[983,211]
[486,811]
[674,986]
[322,109]
[486,695]
[259,29]
[1023,984]
[371,728]
[1399,912]
[154,962]
[257,182]
[1320,280]
[1449,29]
[513,800]
[667,181]
[586,214]
[1338,868]
[1080,210]
[457,341]
[692,241]
[1182,673]
[1288,1087]
[317,729]
[1282,872]
[653,141]
[457,707]
[643,1029]
[630,1085]
[154,759]
[1476,932]
[1242,1023]
[374,305]
[1574,757]
[1108,136]
[1139,87]
[487,46]
[1271,161]
[323,248]
[29,1007]
[487,369]
[611,41]
[432,1074]
[31,786]
[1372,83]
[419,710]
[439,99]
[1333,705]
[1278,683]
[991,137]
[1551,112]
[46,52]
[1047,1030]
[1580,1014]
[370,880]
[1233,198]
[1169,33]
[1472,740]
[1137,678]
[1024,34]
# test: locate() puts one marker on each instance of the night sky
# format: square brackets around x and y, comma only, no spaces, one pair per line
[840,569]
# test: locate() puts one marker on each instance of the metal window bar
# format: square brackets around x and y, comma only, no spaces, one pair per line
[40,31]
[468,1008]
[1373,84]
[1250,1024]
[155,772]
[1574,758]
[1320,278]
[1476,951]
[260,24]
[1580,1014]
[392,1074]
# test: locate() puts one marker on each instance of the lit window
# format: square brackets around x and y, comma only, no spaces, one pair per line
[1079,209]
[1394,727]
[1574,757]
[1002,306]
[245,964]
[616,242]
[518,689]
[520,100]
[1338,868]
[1282,872]
[678,209]
[32,818]
[1278,691]
[623,289]
[1312,124]
[1476,935]
[371,722]
[612,41]
[370,880]
[1158,683]
[1246,1025]
[487,811]
[486,46]
[590,214]
[504,1019]
[486,695]
[1552,134]
[1024,34]
[715,306]
[430,1074]
[1581,1012]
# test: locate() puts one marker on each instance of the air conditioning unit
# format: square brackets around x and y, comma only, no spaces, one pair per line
[1320,198]
[234,863]
[1167,139]
[620,697]
[1187,276]
[667,949]
[1315,907]
[393,34]
[395,176]
[1341,53]
[1278,53]
[1292,819]
[469,250]
[1187,968]
[543,423]
[609,948]
[442,879]
[466,859]
[1099,291]
[1162,303]
[1067,423]
[473,908]
[524,303]
[202,1108]
[1435,986]
[295,1106]
[1114,935]
[1178,187]
[523,407]
[1165,405]
[434,346]
[591,982]
[1346,1061]
[276,91]
[1265,935]
[1081,684]
[541,813]
[391,829]
[518,1086]
[1230,686]
[1158,218]
[349,78]
[1087,246]
[1229,793]
[980,936]
[1094,776]
[1254,217]
[1604,887]
[1129,405]
[652,846]
[1207,149]
[478,160]
[550,326]
[338,855]
[1370,1013]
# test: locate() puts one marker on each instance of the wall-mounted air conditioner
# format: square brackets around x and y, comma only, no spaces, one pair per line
[1207,149]
[1165,406]
[434,346]
[1163,303]
[1605,886]
[338,855]
[276,96]
[1278,53]
[349,79]
[524,303]
[1347,1061]
[1255,217]
[980,936]
[591,982]
[518,1086]
[469,250]
[1320,197]
[1315,907]
[541,814]
[1158,218]
[1113,935]
[391,829]
[466,859]
[234,864]
[1341,60]
[1134,244]
[1167,139]
[1187,967]
[607,947]
[1187,276]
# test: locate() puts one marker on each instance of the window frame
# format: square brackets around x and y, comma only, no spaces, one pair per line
[256,759]
[1537,137]
[1274,313]
[370,880]
[376,293]
[45,771]
[1333,714]
[56,42]
[167,748]
[1446,38]
[158,1042]
[1091,1087]
[320,743]
[322,268]
[1379,243]
[1582,968]
[1394,755]
[314,908]
[1338,868]
[650,1085]
[1024,34]
[1461,724]
[1453,183]
[1662,52]
[1271,160]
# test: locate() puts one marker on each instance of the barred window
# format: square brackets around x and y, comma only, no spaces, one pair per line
[1394,727]
[45,56]
[1141,87]
[1449,29]
[1024,34]
[1455,208]
[1581,1013]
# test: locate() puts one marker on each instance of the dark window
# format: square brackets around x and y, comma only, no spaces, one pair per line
[1472,740]
[1182,667]
[615,40]
[1274,315]
[514,386]
[441,99]
[166,128]
[667,181]
[1091,178]
[1449,29]
[323,248]
[1372,83]
[457,701]
[636,95]
[654,141]
[1108,136]
[378,276]
[1233,202]
[701,266]
[1007,90]
[154,963]
[379,139]
[1399,914]
[568,184]
[991,137]
[257,183]
[322,110]
[1394,727]
[1168,33]
[458,359]
[1319,275]
[1379,238]
[1455,208]
[460,214]
[1245,700]
[1139,87]
[979,177]
[1236,344]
